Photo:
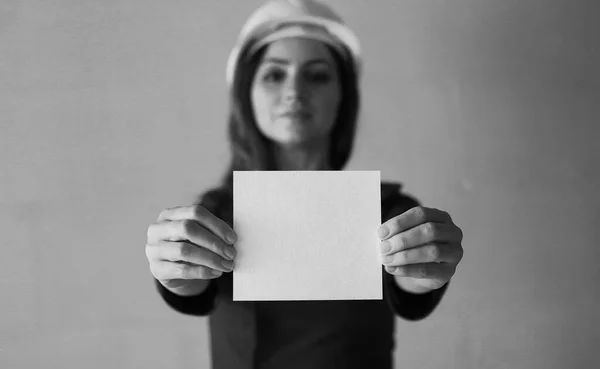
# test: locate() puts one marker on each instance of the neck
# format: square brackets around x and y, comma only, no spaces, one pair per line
[309,156]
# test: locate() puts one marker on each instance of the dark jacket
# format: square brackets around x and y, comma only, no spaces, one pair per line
[303,334]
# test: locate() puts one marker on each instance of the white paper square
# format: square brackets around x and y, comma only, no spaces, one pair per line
[307,235]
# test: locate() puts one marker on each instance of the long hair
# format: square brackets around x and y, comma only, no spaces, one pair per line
[251,150]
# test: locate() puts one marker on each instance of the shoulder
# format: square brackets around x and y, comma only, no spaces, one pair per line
[394,201]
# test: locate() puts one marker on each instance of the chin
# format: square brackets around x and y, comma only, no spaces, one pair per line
[293,135]
[288,132]
[292,140]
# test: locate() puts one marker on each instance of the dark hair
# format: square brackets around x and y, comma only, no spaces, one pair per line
[251,150]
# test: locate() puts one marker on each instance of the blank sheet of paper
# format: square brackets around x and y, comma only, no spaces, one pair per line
[307,235]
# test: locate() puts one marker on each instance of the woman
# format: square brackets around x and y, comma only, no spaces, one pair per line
[293,79]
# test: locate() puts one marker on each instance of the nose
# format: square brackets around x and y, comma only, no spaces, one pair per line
[294,89]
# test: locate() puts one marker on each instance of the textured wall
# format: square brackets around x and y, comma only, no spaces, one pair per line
[113,110]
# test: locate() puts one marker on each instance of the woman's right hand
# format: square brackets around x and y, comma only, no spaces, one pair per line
[187,247]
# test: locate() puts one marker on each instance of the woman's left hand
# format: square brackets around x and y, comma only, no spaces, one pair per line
[421,247]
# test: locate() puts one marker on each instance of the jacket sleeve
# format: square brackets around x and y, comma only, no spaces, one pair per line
[199,305]
[218,202]
[407,305]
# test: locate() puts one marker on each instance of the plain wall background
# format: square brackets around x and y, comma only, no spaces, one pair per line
[113,110]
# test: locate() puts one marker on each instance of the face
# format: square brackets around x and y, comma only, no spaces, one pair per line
[296,92]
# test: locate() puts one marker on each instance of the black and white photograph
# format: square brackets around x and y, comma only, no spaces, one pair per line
[299,184]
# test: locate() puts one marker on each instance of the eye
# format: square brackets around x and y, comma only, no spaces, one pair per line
[274,76]
[321,77]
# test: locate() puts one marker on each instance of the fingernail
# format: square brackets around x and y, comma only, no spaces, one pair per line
[228,264]
[387,259]
[385,247]
[216,273]
[231,237]
[230,252]
[383,231]
[390,269]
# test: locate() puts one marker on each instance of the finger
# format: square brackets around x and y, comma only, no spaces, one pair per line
[168,270]
[426,283]
[187,252]
[434,271]
[418,236]
[191,231]
[432,253]
[412,218]
[203,216]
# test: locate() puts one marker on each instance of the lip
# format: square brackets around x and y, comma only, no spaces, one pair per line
[295,114]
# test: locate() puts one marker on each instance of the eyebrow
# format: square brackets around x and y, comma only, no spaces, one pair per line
[287,62]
